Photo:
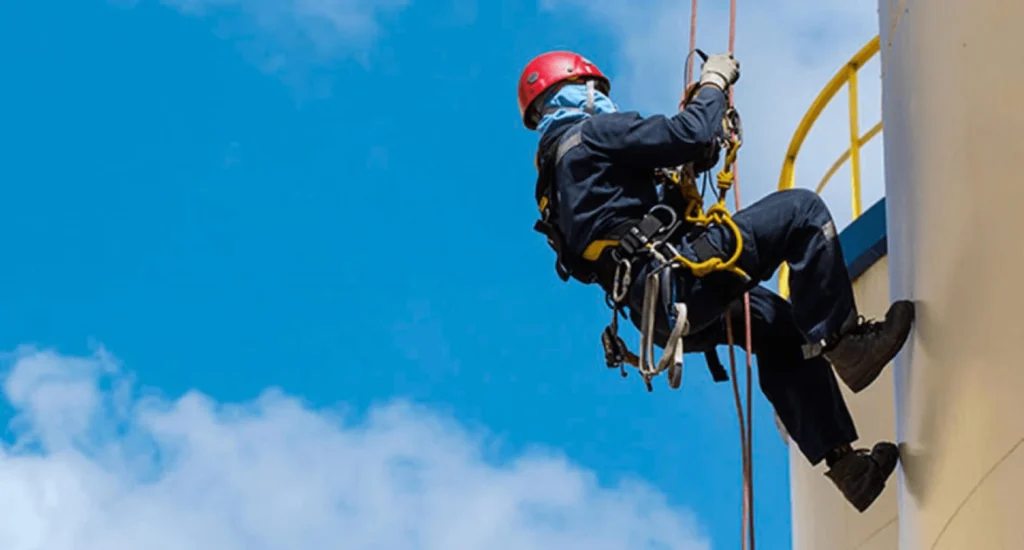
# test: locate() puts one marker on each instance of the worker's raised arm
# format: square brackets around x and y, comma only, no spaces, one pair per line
[660,141]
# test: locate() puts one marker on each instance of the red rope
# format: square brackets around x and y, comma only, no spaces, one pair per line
[745,420]
[693,45]
[747,433]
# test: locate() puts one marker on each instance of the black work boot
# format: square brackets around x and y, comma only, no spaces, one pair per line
[860,475]
[865,347]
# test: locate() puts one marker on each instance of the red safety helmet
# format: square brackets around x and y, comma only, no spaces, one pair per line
[549,69]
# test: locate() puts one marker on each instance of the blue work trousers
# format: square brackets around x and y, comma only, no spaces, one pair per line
[792,226]
[804,392]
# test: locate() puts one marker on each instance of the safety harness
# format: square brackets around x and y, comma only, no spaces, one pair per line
[613,259]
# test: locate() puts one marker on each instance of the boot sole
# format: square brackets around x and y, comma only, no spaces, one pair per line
[861,502]
[860,383]
[865,502]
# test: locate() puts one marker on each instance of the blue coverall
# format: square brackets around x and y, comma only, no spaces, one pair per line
[606,179]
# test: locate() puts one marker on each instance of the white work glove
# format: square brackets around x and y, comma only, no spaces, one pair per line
[720,69]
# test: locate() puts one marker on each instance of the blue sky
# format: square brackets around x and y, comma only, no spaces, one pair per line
[332,202]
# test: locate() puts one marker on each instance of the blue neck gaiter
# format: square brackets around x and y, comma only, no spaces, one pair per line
[569,103]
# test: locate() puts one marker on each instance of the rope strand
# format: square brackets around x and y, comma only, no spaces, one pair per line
[745,417]
[693,45]
[748,442]
[730,341]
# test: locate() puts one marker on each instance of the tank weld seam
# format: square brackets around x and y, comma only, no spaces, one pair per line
[973,490]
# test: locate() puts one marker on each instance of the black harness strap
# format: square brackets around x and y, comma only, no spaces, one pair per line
[566,265]
[715,367]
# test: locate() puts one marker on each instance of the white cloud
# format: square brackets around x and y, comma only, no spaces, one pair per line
[788,50]
[291,37]
[329,24]
[97,465]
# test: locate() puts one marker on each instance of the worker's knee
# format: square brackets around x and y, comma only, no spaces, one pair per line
[806,200]
[789,208]
[809,207]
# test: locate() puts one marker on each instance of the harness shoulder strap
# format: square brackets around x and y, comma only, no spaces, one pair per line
[546,195]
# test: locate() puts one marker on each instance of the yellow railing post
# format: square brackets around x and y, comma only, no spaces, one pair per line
[854,143]
[787,179]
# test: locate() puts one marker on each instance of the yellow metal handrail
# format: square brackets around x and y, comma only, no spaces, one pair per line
[787,179]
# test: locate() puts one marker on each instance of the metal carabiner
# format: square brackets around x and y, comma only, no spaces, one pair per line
[669,226]
[622,280]
[734,126]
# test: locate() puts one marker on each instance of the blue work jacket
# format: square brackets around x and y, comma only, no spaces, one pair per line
[604,164]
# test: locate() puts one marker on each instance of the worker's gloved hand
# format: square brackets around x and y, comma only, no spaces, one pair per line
[720,69]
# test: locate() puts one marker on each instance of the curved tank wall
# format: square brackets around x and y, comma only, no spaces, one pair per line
[953,79]
[821,517]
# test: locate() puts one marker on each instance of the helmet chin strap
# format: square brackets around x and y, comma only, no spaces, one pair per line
[590,96]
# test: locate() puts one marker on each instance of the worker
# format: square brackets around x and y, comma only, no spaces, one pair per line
[596,183]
